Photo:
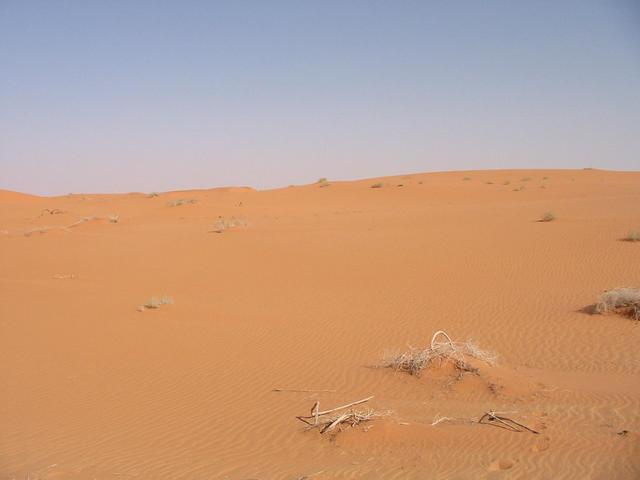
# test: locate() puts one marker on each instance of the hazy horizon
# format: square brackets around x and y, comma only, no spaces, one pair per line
[157,96]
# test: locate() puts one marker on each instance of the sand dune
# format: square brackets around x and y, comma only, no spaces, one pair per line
[307,292]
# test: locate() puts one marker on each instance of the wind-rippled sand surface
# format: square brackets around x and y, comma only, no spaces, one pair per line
[310,294]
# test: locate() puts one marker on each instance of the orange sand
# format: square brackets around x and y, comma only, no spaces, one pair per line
[309,295]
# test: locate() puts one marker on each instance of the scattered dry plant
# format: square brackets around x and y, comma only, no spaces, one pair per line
[52,211]
[633,236]
[377,185]
[155,302]
[547,217]
[623,300]
[223,224]
[110,218]
[415,360]
[181,201]
[497,419]
[329,420]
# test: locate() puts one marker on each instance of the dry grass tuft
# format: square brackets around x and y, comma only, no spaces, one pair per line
[623,300]
[547,217]
[52,211]
[181,201]
[377,185]
[155,302]
[633,236]
[223,224]
[417,359]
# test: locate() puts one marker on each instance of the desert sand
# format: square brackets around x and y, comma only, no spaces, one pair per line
[307,289]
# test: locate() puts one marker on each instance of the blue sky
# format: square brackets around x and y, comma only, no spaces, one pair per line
[149,95]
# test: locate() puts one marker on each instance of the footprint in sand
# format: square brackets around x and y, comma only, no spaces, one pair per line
[541,445]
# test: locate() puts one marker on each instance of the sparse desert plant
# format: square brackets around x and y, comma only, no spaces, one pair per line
[633,236]
[156,302]
[333,418]
[223,224]
[623,300]
[506,182]
[466,179]
[489,182]
[415,360]
[322,180]
[519,188]
[52,211]
[377,185]
[181,201]
[525,179]
[153,194]
[114,218]
[547,217]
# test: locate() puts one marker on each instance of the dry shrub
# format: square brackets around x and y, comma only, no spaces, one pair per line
[223,224]
[623,300]
[633,236]
[328,420]
[181,201]
[155,302]
[415,360]
[547,217]
[350,419]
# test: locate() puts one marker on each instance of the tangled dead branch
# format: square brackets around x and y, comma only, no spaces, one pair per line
[442,348]
[329,420]
[494,418]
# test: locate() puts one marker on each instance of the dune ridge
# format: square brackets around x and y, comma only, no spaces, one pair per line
[309,292]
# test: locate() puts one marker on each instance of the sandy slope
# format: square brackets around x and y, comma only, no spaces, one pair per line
[310,295]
